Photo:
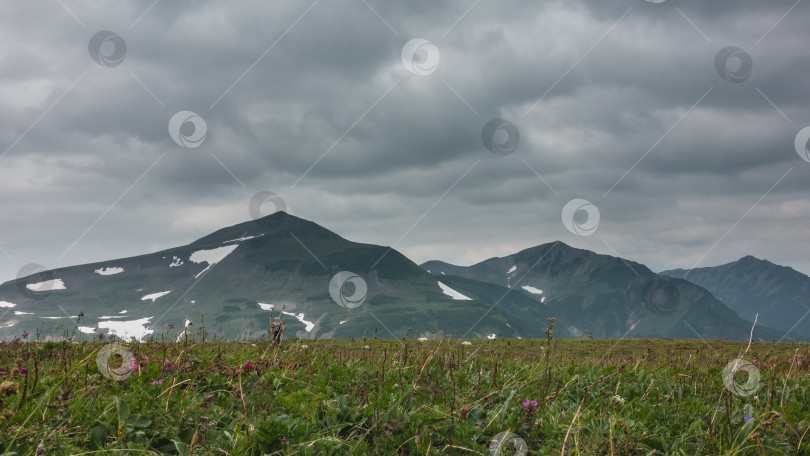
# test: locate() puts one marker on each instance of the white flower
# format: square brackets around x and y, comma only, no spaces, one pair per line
[422,339]
[466,342]
[305,346]
[365,347]
[618,399]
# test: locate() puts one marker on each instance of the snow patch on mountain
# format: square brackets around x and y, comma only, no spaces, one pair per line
[212,256]
[492,336]
[154,296]
[269,307]
[132,329]
[309,325]
[7,304]
[453,293]
[512,269]
[176,262]
[87,329]
[109,270]
[48,285]
[20,312]
[532,290]
[123,311]
[59,318]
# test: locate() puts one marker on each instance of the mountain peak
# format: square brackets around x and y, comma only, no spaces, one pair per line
[749,259]
[277,222]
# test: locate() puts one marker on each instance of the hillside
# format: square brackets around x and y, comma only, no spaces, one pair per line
[605,296]
[750,286]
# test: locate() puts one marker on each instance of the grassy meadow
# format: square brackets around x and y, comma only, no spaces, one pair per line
[404,397]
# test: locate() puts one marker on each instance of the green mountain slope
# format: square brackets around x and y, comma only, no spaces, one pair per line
[280,260]
[606,296]
[750,286]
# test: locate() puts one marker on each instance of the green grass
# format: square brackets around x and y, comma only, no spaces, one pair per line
[405,397]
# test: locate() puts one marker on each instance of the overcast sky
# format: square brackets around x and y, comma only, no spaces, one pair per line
[684,147]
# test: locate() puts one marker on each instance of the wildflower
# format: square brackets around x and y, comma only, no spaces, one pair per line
[422,339]
[307,346]
[157,382]
[365,347]
[168,363]
[466,342]
[530,405]
[618,399]
[747,418]
[249,365]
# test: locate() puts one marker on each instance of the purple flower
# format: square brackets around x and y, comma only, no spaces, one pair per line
[249,365]
[747,418]
[157,382]
[530,405]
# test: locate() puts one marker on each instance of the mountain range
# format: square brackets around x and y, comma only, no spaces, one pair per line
[233,280]
[778,296]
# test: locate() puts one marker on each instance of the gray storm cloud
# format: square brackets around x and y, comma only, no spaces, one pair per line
[686,150]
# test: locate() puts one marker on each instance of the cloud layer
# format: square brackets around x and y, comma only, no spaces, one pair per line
[689,159]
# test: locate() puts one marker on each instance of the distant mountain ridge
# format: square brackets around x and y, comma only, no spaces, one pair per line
[751,286]
[233,276]
[606,296]
[332,287]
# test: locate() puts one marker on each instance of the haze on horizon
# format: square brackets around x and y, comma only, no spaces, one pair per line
[134,127]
